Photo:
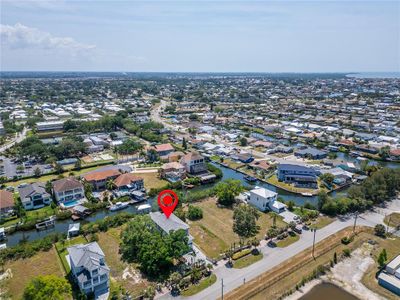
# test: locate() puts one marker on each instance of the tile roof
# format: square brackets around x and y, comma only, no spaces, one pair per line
[125,179]
[163,147]
[66,184]
[6,199]
[191,156]
[101,175]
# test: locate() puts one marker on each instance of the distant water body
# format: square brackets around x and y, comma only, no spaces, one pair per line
[375,75]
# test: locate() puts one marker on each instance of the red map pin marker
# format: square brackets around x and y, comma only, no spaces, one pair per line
[167,200]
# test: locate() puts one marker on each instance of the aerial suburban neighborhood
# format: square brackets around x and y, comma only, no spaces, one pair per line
[273,174]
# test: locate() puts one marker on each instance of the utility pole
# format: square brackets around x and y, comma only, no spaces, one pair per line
[313,246]
[355,221]
[222,289]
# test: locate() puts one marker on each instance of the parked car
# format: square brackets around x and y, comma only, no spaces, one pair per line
[298,229]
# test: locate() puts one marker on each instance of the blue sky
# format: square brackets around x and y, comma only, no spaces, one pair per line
[200,36]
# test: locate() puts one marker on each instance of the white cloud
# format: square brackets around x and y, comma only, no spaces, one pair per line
[22,37]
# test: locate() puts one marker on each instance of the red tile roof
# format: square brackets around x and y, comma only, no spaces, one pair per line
[125,179]
[101,175]
[163,147]
[66,184]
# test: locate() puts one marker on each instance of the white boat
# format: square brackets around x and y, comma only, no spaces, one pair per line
[119,205]
[307,194]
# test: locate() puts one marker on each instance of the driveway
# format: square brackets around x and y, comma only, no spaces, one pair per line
[288,216]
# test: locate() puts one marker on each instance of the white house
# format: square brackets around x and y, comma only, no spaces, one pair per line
[264,199]
[89,268]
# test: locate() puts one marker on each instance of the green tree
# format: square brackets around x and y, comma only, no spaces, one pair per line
[58,168]
[184,144]
[328,178]
[37,172]
[194,213]
[47,287]
[380,230]
[382,258]
[245,221]
[78,164]
[227,190]
[243,141]
[290,205]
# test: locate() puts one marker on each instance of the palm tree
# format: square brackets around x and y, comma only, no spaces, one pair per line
[110,185]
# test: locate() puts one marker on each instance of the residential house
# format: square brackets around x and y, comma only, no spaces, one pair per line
[173,223]
[163,150]
[68,192]
[173,171]
[265,199]
[194,163]
[341,177]
[311,153]
[89,269]
[34,196]
[7,204]
[127,183]
[299,175]
[99,179]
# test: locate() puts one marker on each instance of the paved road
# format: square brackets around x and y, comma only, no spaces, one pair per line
[17,139]
[233,278]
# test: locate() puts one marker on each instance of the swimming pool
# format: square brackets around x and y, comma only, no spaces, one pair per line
[72,203]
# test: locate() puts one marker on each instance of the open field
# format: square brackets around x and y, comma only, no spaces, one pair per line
[392,247]
[151,180]
[214,234]
[123,275]
[283,278]
[24,270]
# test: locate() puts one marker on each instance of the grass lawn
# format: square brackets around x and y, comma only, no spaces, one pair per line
[62,250]
[392,246]
[247,261]
[322,221]
[124,276]
[393,218]
[40,213]
[233,164]
[274,181]
[151,180]
[214,233]
[24,270]
[288,241]
[196,288]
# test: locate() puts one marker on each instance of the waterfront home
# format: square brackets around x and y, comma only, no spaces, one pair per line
[341,177]
[68,192]
[389,278]
[99,179]
[260,166]
[34,196]
[264,200]
[127,183]
[194,163]
[163,150]
[173,171]
[299,175]
[311,153]
[173,223]
[7,204]
[89,269]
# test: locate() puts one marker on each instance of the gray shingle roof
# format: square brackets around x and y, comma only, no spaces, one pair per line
[168,224]
[32,189]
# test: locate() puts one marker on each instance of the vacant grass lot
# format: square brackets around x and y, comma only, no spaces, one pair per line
[321,222]
[196,288]
[24,270]
[214,233]
[151,180]
[288,241]
[124,276]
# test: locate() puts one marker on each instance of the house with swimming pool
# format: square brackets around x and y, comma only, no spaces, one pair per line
[68,192]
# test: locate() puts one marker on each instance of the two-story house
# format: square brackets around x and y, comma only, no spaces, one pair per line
[99,179]
[127,183]
[89,269]
[265,200]
[194,163]
[68,192]
[34,196]
[300,176]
